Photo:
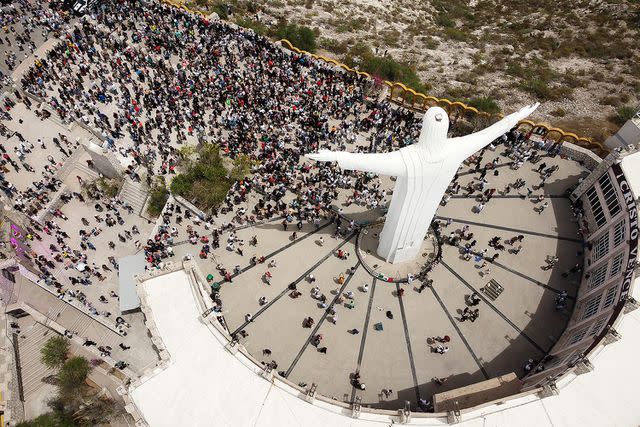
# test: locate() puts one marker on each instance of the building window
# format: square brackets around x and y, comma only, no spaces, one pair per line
[601,248]
[610,195]
[616,264]
[610,297]
[596,207]
[591,307]
[618,233]
[597,327]
[578,336]
[598,276]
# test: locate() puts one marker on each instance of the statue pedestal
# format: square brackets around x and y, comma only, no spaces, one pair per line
[379,268]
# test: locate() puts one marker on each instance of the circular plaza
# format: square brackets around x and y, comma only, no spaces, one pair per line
[311,310]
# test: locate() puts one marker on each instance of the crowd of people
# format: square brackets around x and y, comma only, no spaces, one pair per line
[151,79]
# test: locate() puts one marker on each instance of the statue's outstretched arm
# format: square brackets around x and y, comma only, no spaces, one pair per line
[390,164]
[465,146]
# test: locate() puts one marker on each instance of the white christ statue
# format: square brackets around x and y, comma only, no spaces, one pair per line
[424,171]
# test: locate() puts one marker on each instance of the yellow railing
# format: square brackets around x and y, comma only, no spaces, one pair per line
[422,102]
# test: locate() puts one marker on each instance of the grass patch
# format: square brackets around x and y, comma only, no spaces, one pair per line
[204,182]
[391,37]
[256,26]
[613,100]
[623,114]
[385,67]
[102,187]
[49,419]
[538,87]
[346,25]
[485,103]
[158,196]
[537,78]
[455,34]
[219,8]
[333,45]
[300,36]
[111,187]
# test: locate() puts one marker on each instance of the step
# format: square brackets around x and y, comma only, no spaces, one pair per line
[134,195]
[68,164]
[105,336]
[32,368]
[82,168]
[133,200]
[137,207]
[55,311]
[33,373]
[70,309]
[133,191]
[79,324]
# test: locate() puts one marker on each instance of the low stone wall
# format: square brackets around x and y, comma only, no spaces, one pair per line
[587,157]
[156,340]
[160,220]
[189,206]
[54,203]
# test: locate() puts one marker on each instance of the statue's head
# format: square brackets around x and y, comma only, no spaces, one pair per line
[435,126]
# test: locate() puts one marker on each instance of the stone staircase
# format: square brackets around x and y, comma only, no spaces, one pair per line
[83,168]
[85,326]
[32,369]
[69,315]
[69,164]
[135,194]
[55,310]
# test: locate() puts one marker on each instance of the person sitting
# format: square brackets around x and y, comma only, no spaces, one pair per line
[474,299]
[529,366]
[308,322]
[440,381]
[440,349]
[561,302]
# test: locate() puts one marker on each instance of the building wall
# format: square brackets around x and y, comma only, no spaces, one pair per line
[104,161]
[628,134]
[610,223]
[583,155]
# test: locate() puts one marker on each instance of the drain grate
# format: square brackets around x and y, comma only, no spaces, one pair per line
[493,290]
